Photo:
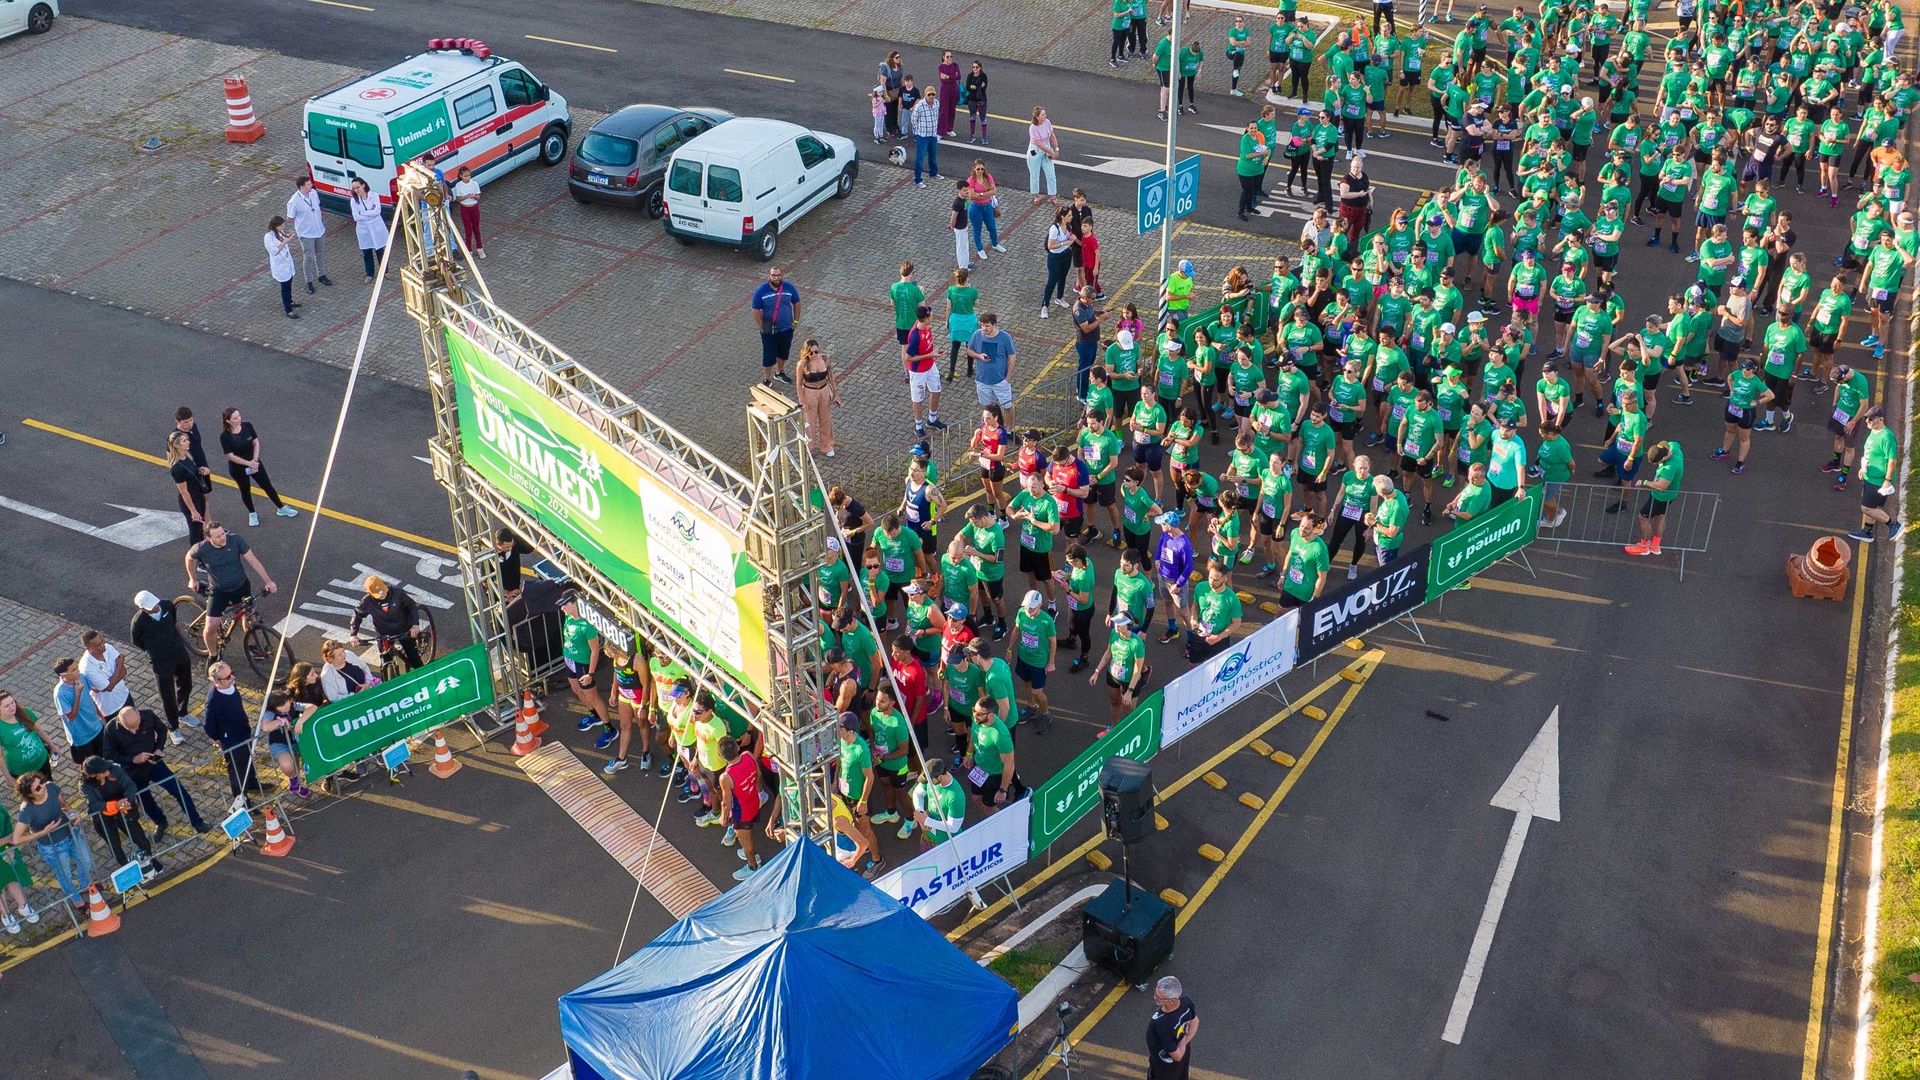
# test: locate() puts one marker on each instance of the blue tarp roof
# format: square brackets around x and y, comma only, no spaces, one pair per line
[806,971]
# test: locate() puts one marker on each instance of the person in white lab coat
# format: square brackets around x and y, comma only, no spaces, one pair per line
[280,241]
[369,228]
[303,207]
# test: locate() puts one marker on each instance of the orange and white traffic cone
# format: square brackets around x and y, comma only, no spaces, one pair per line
[242,125]
[524,740]
[101,919]
[443,764]
[279,842]
[532,715]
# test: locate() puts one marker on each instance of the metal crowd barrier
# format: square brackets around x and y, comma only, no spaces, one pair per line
[1687,530]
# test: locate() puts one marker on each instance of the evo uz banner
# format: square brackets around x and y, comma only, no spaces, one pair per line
[1379,597]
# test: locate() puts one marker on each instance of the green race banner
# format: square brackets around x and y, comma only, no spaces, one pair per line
[1478,544]
[671,556]
[379,716]
[421,130]
[1070,793]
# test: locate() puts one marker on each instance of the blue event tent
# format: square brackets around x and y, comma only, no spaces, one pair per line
[804,972]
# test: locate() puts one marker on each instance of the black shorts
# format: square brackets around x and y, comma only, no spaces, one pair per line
[1500,494]
[221,601]
[901,335]
[1150,456]
[996,588]
[1839,431]
[1744,421]
[1580,151]
[1101,494]
[1654,508]
[929,539]
[1870,497]
[1315,486]
[1276,58]
[1031,674]
[1607,262]
[1650,378]
[1136,541]
[898,781]
[1884,303]
[1411,467]
[1037,564]
[1163,78]
[1561,316]
[995,471]
[1348,429]
[1266,526]
[1708,221]
[1670,207]
[1410,78]
[1819,341]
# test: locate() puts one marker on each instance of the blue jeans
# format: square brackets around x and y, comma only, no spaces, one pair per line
[72,865]
[980,215]
[1088,350]
[926,148]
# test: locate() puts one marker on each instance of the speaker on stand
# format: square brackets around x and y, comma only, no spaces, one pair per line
[1126,929]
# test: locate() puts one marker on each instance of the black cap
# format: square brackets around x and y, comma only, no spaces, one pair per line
[95,765]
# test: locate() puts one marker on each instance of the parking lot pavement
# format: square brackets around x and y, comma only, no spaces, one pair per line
[176,234]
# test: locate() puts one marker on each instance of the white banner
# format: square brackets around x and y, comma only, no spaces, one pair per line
[979,853]
[1210,689]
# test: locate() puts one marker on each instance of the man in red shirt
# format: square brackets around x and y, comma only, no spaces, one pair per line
[911,676]
[920,355]
[1068,481]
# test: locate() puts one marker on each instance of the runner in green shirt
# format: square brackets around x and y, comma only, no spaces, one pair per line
[990,759]
[1781,345]
[986,545]
[1876,477]
[907,296]
[1215,615]
[1827,326]
[1746,393]
[1307,562]
[1669,465]
[1078,579]
[939,800]
[1100,452]
[1037,516]
[1886,269]
[1850,392]
[1123,664]
[855,775]
[892,750]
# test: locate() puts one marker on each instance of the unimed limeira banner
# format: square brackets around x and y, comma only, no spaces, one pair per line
[979,853]
[375,718]
[1067,796]
[1215,686]
[1478,544]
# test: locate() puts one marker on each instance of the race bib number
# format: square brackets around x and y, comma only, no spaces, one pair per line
[1468,215]
[1296,576]
[1736,411]
[1465,454]
[1029,639]
[1776,357]
[896,565]
[1142,438]
[1583,339]
[1379,386]
[1840,417]
[1118,670]
[977,776]
[1879,294]
[1348,510]
[1525,291]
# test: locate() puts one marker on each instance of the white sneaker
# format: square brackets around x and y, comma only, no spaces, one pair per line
[253,520]
[998,248]
[1559,518]
[27,913]
[176,738]
[742,852]
[286,511]
[1043,312]
[12,924]
[981,254]
[743,873]
[728,839]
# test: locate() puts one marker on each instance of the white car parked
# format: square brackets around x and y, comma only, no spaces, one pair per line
[744,182]
[27,16]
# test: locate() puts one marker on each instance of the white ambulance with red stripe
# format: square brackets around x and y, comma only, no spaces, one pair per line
[457,104]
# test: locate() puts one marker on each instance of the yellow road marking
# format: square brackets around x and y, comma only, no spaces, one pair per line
[1167,792]
[575,44]
[337,3]
[398,534]
[1047,369]
[16,959]
[1099,1011]
[756,75]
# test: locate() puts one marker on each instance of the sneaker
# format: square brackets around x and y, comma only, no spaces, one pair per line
[1639,549]
[996,247]
[1043,312]
[885,818]
[1820,389]
[587,722]
[1352,571]
[1168,637]
[1447,481]
[1712,384]
[706,819]
[935,423]
[1831,465]
[646,760]
[1786,422]
[286,511]
[905,830]
[981,255]
[1653,546]
[175,737]
[729,838]
[31,916]
[1683,399]
[1718,455]
[1635,220]
[687,795]
[999,629]
[1426,515]
[11,924]
[606,739]
[1763,425]
[874,869]
[1863,535]
[253,520]
[666,767]
[1694,258]
[743,873]
[1739,468]
[1616,506]
[783,377]
[740,853]
[1879,352]
[1653,242]
[1841,483]
[1870,340]
[1674,247]
[614,765]
[1162,114]
[1805,374]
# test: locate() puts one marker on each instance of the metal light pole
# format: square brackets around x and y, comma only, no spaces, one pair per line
[1173,127]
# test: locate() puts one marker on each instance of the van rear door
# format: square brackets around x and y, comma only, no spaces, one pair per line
[341,147]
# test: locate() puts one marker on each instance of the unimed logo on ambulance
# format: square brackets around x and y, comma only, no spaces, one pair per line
[420,130]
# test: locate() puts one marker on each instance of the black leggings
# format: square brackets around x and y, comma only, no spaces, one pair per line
[1380,10]
[1648,186]
[196,530]
[953,359]
[1353,132]
[1503,162]
[1186,89]
[1438,112]
[1083,629]
[1139,29]
[1297,78]
[113,827]
[1342,525]
[1203,401]
[245,483]
[1297,167]
[1798,161]
[1249,192]
[1860,151]
[1323,172]
[1118,50]
[1238,60]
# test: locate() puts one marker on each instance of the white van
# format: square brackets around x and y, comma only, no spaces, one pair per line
[456,103]
[27,16]
[743,182]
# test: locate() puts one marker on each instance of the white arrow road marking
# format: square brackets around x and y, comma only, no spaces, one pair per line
[422,460]
[144,530]
[294,623]
[419,594]
[433,567]
[1531,790]
[1122,166]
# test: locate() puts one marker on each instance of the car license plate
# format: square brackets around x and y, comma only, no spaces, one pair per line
[596,178]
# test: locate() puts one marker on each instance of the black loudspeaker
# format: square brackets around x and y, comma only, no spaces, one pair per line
[1126,799]
[1127,931]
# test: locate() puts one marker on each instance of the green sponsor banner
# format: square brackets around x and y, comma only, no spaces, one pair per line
[379,716]
[671,556]
[1478,544]
[421,130]
[1074,790]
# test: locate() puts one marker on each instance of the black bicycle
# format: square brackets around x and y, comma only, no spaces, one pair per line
[258,642]
[426,641]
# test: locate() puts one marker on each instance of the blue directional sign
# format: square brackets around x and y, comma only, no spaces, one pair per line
[1151,199]
[1156,203]
[1186,186]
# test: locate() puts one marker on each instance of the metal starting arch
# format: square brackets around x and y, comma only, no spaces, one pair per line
[784,537]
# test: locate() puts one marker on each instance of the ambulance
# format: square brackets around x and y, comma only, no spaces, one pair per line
[457,104]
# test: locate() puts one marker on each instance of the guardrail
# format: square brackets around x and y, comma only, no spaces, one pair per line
[1610,516]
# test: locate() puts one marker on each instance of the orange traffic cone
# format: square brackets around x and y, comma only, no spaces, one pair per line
[524,740]
[443,764]
[531,715]
[242,125]
[278,841]
[101,919]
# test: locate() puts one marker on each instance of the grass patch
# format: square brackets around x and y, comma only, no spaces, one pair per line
[1024,968]
[1895,1041]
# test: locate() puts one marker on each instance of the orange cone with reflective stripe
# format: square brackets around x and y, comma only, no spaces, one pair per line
[101,919]
[242,125]
[524,740]
[532,715]
[278,841]
[443,764]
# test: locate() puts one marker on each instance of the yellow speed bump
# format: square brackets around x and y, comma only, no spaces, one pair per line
[1270,607]
[1282,757]
[1353,676]
[1261,747]
[1315,712]
[1355,644]
[1099,860]
[1251,801]
[1208,851]
[1215,781]
[1245,596]
[1174,896]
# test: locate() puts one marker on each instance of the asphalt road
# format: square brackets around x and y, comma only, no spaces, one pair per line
[831,73]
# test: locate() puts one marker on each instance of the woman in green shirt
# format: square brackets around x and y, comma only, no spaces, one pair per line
[1077,580]
[22,748]
[1124,664]
[1747,394]
[961,320]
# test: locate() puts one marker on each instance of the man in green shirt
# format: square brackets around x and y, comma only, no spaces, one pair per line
[580,649]
[989,763]
[1876,477]
[855,778]
[939,802]
[1307,562]
[1507,462]
[1163,70]
[1886,269]
[1037,515]
[1033,633]
[1663,487]
[1215,616]
[1781,346]
[1849,402]
[907,297]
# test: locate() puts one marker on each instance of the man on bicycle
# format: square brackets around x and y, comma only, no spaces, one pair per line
[393,615]
[225,558]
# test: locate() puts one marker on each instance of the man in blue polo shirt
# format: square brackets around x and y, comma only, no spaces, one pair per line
[776,304]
